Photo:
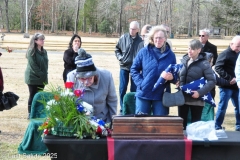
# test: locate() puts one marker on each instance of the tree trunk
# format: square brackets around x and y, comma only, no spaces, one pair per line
[170,17]
[30,16]
[77,19]
[120,17]
[190,20]
[53,17]
[7,19]
[197,24]
[42,20]
[22,24]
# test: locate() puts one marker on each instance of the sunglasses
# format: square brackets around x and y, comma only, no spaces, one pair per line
[201,35]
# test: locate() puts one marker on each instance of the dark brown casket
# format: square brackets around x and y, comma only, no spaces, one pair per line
[164,127]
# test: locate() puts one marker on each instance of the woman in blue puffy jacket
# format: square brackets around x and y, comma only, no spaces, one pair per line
[148,65]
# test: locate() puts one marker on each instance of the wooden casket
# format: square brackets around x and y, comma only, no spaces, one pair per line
[167,127]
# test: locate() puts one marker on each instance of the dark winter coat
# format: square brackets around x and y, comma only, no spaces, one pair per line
[69,62]
[197,69]
[211,48]
[36,72]
[126,50]
[225,66]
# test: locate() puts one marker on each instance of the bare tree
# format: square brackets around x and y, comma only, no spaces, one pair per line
[53,16]
[22,5]
[29,13]
[77,17]
[7,19]
[190,20]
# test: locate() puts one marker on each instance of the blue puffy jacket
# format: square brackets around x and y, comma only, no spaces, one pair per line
[146,69]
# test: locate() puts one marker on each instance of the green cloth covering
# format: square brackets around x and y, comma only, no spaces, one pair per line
[32,141]
[208,112]
[129,103]
[37,108]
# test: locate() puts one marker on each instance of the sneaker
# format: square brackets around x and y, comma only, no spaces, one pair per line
[220,128]
[238,129]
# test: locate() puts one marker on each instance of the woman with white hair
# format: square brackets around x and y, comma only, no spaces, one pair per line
[149,63]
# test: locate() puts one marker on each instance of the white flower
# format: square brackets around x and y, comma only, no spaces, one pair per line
[88,107]
[93,122]
[67,92]
[50,103]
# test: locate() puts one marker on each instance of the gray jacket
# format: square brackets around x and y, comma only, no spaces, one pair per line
[197,69]
[102,95]
[126,50]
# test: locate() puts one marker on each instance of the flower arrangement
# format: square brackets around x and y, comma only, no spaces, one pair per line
[69,115]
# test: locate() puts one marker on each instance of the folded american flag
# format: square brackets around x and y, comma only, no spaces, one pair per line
[195,85]
[172,68]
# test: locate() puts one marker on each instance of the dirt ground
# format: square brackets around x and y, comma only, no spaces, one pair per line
[13,123]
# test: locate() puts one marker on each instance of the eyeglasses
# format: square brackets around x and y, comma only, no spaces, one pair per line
[201,35]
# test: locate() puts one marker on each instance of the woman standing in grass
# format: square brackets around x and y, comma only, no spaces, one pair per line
[36,73]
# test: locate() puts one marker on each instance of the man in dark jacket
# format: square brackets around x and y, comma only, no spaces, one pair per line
[207,46]
[225,66]
[125,51]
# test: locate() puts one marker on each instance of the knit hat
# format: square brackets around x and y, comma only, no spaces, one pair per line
[85,65]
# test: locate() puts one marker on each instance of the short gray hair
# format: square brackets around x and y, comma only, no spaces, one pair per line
[135,23]
[195,44]
[207,31]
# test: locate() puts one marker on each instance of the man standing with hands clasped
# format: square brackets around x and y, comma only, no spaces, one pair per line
[125,51]
[225,66]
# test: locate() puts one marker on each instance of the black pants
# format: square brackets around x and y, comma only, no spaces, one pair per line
[196,113]
[33,89]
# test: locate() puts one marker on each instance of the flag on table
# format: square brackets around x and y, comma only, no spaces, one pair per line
[195,85]
[172,68]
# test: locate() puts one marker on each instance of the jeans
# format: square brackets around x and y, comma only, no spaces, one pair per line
[148,106]
[225,95]
[123,83]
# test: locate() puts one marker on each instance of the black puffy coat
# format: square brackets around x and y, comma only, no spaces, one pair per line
[197,69]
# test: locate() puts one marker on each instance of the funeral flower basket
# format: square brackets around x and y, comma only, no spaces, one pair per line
[68,115]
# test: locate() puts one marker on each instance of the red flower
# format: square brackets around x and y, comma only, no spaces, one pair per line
[45,131]
[78,93]
[69,85]
[99,130]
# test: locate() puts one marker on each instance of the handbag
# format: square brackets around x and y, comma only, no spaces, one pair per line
[8,100]
[173,99]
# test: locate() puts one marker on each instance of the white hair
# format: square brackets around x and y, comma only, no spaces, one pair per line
[207,31]
[135,23]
